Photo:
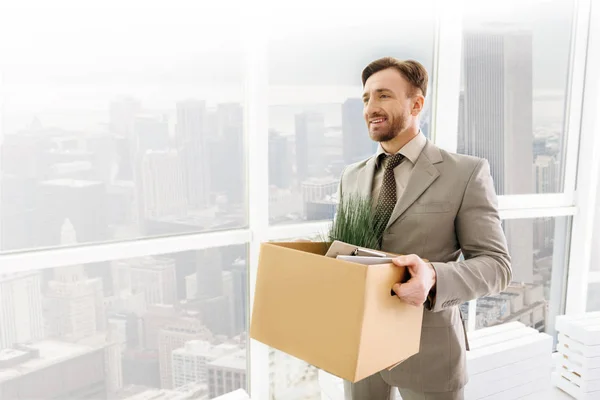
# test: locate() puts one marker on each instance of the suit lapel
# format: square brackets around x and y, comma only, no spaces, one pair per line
[424,173]
[365,178]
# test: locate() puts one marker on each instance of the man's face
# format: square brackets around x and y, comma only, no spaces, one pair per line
[387,104]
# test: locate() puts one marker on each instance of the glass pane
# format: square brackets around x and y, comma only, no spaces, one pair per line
[291,378]
[593,300]
[515,69]
[168,326]
[126,131]
[534,297]
[316,123]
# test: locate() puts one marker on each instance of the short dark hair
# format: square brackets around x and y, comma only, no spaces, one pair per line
[413,71]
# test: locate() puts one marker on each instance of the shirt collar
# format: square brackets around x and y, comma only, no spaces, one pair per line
[411,150]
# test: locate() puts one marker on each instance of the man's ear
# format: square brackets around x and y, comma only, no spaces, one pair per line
[418,103]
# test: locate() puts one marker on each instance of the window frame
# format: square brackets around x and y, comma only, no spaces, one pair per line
[578,200]
[588,166]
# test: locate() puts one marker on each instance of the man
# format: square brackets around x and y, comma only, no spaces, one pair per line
[437,204]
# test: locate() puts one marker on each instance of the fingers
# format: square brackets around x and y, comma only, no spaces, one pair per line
[409,260]
[404,291]
[410,292]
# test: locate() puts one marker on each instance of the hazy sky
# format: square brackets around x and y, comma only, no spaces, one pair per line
[70,54]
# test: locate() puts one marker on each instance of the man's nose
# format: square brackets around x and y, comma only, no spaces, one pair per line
[370,108]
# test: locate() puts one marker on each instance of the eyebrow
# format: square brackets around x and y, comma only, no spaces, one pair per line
[365,95]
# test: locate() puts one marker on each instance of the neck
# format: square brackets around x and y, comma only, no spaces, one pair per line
[400,140]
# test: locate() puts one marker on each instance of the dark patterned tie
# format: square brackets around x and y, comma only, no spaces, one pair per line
[387,194]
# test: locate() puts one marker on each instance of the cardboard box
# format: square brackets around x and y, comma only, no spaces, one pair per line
[337,315]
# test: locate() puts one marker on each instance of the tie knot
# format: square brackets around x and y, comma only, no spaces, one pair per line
[391,162]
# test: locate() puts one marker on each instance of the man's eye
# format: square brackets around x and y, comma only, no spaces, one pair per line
[384,96]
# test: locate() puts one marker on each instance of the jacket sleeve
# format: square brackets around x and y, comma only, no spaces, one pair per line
[486,268]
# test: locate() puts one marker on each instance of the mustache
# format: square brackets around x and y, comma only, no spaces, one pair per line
[377,115]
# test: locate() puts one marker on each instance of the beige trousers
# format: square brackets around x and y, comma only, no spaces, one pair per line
[375,388]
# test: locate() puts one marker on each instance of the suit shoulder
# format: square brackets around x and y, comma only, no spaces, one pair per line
[463,162]
[355,167]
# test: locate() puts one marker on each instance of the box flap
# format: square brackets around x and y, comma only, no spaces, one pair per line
[319,248]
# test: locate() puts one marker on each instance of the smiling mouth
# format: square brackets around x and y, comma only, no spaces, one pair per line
[378,121]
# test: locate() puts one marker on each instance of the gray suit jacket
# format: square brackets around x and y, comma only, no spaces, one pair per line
[449,206]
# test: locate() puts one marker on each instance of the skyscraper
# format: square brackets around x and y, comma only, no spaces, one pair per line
[21,317]
[209,273]
[546,174]
[497,121]
[227,374]
[498,100]
[191,140]
[70,309]
[20,212]
[24,162]
[310,136]
[462,122]
[240,295]
[280,167]
[222,313]
[153,276]
[163,190]
[122,115]
[190,361]
[227,155]
[172,337]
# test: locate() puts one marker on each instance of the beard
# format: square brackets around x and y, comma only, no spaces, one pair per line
[395,126]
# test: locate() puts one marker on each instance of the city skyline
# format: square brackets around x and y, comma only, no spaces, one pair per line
[170,136]
[56,318]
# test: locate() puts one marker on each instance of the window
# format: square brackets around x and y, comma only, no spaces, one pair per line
[534,297]
[513,96]
[120,123]
[316,123]
[181,338]
[126,131]
[593,300]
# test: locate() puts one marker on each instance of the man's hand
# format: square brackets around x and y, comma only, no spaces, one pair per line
[423,279]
